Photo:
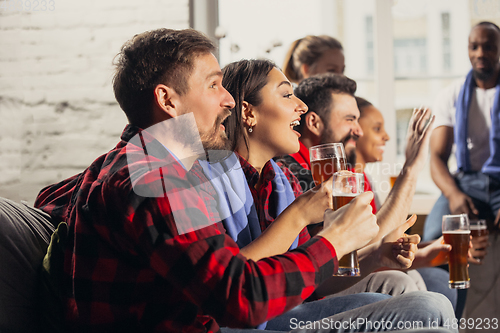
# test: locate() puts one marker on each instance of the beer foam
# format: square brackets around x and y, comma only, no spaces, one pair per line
[457,232]
[343,194]
[478,227]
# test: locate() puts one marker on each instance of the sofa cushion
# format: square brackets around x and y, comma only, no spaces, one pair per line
[24,236]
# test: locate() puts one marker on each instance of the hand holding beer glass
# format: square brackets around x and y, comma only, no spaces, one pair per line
[326,159]
[346,186]
[479,232]
[456,232]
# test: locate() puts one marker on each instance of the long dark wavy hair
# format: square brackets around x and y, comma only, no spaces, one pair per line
[244,80]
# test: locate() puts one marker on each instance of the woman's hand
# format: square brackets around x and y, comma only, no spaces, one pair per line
[306,209]
[311,205]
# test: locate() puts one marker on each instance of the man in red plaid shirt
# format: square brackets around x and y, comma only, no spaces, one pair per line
[145,249]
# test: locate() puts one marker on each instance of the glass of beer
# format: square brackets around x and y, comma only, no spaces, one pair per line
[456,232]
[326,160]
[394,176]
[478,228]
[346,186]
[392,179]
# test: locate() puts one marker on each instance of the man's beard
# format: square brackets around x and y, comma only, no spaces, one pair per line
[328,137]
[351,158]
[215,142]
[483,75]
[351,154]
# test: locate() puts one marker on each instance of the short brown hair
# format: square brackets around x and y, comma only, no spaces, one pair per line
[316,92]
[151,58]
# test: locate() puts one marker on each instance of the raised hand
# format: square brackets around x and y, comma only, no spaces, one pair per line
[417,141]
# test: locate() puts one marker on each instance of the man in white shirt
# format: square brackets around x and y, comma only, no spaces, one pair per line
[467,115]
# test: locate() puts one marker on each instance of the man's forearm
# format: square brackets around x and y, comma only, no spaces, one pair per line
[278,237]
[369,258]
[441,146]
[442,177]
[397,205]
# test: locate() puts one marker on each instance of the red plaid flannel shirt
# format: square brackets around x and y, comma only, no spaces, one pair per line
[127,268]
[265,203]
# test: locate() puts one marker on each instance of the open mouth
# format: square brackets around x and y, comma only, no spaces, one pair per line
[294,123]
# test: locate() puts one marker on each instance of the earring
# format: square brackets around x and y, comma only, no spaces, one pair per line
[250,129]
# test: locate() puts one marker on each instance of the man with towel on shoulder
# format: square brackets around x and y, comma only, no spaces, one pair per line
[467,115]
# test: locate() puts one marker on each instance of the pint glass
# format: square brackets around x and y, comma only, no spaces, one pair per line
[392,179]
[478,228]
[346,186]
[326,160]
[456,232]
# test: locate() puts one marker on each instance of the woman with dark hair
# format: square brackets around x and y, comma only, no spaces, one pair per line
[313,55]
[262,127]
[263,95]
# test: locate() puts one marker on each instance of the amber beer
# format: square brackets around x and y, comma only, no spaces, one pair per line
[323,169]
[346,186]
[349,260]
[478,230]
[341,200]
[459,241]
[393,180]
[326,159]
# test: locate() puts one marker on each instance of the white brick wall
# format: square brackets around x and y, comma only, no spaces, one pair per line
[57,109]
